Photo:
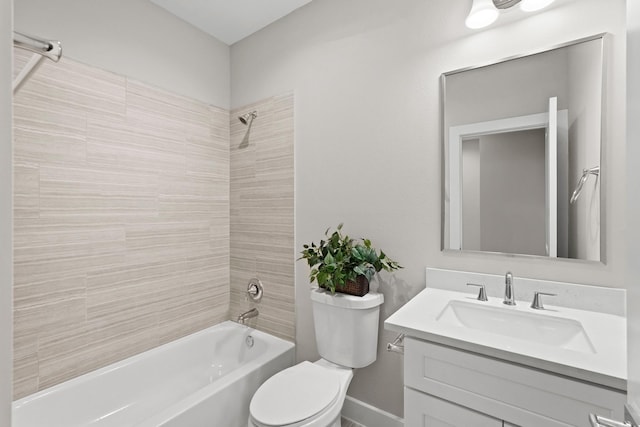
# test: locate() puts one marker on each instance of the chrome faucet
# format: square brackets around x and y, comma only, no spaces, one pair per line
[509,296]
[248,315]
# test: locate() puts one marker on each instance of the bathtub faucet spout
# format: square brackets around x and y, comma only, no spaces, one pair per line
[248,315]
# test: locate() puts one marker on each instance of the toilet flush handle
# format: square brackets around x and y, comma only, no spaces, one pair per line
[397,346]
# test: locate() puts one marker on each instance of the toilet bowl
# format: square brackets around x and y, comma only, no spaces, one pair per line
[312,394]
[305,395]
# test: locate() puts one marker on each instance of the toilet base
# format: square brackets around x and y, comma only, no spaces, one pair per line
[336,423]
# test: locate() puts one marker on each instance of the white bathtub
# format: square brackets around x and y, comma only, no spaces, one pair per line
[203,380]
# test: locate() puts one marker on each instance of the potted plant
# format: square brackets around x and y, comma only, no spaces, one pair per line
[342,264]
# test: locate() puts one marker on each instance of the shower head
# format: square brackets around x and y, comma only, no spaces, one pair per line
[246,119]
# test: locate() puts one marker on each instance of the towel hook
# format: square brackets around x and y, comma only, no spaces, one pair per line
[585,174]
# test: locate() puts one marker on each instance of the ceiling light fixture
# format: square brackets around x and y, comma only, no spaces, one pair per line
[505,4]
[483,13]
[533,5]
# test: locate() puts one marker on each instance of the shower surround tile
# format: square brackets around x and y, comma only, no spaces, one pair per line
[139,217]
[121,228]
[262,213]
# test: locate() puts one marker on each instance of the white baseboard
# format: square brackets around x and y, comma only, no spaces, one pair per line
[368,415]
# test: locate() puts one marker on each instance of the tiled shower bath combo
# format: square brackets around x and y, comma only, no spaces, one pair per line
[123,238]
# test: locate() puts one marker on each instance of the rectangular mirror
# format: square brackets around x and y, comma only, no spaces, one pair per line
[522,152]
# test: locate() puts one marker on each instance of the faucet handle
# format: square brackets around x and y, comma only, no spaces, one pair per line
[482,295]
[537,300]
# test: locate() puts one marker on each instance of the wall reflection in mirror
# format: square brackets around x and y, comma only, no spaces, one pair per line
[522,154]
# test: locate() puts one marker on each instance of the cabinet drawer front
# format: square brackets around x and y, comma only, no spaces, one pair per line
[515,393]
[423,410]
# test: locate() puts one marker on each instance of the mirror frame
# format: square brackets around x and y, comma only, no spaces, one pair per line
[445,180]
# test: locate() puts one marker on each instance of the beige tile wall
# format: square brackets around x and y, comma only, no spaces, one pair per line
[262,213]
[122,229]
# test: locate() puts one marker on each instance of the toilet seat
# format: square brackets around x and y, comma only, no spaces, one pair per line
[294,395]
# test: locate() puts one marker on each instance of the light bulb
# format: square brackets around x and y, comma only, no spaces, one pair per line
[482,14]
[533,5]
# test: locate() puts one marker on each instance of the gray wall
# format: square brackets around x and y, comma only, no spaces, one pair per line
[366,79]
[6,274]
[134,38]
[633,206]
[471,224]
[508,89]
[512,192]
[503,201]
[584,149]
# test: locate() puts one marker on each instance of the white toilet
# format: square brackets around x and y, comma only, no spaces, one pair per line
[312,394]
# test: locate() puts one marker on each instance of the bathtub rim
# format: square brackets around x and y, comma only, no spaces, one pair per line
[281,344]
[201,395]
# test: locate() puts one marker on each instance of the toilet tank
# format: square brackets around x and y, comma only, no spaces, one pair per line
[346,327]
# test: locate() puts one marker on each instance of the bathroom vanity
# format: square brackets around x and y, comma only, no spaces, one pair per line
[482,363]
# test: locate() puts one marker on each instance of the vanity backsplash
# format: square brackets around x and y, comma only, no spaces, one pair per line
[571,295]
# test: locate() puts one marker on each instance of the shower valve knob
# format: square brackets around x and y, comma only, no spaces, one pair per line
[255,290]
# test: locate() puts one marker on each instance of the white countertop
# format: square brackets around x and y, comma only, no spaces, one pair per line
[606,366]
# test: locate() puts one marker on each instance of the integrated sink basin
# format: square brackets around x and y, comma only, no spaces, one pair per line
[536,328]
[581,332]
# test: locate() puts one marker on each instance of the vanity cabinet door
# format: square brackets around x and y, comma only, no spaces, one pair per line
[523,395]
[424,410]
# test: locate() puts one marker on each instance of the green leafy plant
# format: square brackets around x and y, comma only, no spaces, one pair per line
[340,259]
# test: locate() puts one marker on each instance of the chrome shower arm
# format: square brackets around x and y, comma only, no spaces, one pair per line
[51,49]
[42,49]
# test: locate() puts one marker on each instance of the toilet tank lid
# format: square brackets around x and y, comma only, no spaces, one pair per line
[370,300]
